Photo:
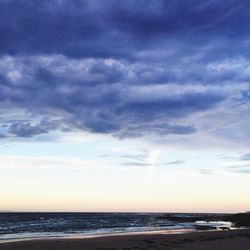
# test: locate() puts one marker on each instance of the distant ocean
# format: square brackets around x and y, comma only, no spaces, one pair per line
[14,226]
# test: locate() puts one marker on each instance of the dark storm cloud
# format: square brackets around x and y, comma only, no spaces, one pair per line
[122,68]
[86,99]
[175,106]
[245,95]
[26,130]
[2,136]
[22,129]
[114,28]
[147,19]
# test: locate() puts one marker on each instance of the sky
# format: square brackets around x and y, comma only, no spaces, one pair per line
[137,105]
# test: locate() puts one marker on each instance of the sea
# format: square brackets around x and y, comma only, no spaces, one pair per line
[20,226]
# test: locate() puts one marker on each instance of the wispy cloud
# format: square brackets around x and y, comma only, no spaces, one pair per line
[138,157]
[60,163]
[245,157]
[204,171]
[177,162]
[145,164]
[240,169]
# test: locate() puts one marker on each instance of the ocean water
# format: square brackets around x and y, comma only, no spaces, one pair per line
[14,226]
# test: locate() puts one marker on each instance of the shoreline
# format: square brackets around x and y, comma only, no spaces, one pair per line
[101,235]
[234,239]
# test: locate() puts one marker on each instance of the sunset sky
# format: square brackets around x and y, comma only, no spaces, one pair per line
[136,105]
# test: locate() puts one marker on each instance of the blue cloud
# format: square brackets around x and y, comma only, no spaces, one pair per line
[245,157]
[26,129]
[124,68]
[114,28]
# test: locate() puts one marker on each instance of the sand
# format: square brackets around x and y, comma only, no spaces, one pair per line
[219,240]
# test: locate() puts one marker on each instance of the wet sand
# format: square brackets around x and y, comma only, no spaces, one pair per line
[219,240]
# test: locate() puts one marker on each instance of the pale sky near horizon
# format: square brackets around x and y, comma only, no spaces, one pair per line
[135,106]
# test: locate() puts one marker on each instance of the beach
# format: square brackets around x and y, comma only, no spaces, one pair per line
[221,240]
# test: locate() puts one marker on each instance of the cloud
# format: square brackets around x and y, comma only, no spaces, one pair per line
[136,164]
[2,136]
[146,164]
[243,171]
[245,157]
[177,162]
[86,28]
[137,157]
[117,68]
[48,162]
[205,171]
[245,97]
[50,88]
[240,169]
[21,129]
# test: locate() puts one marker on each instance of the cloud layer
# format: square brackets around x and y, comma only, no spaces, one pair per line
[127,69]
